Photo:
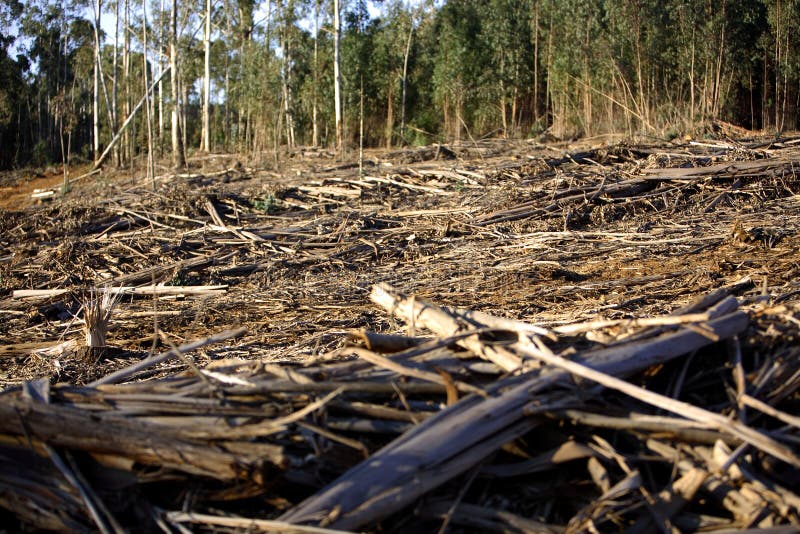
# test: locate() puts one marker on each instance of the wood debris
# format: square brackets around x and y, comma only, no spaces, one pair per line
[477,337]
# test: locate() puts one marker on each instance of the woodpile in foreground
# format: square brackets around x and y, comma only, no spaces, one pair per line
[603,341]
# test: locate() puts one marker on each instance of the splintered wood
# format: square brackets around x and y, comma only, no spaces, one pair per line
[489,337]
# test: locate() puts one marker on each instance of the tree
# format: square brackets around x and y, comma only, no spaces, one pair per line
[432,72]
[406,55]
[314,122]
[337,80]
[12,90]
[458,63]
[178,157]
[96,79]
[781,46]
[206,146]
[287,38]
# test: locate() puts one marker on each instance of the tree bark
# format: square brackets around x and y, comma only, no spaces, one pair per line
[389,112]
[337,82]
[207,80]
[361,128]
[314,106]
[548,96]
[286,78]
[162,39]
[178,158]
[147,105]
[114,108]
[96,95]
[691,82]
[536,63]
[183,88]
[405,82]
[127,151]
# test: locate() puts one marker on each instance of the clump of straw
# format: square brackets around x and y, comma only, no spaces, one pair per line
[97,310]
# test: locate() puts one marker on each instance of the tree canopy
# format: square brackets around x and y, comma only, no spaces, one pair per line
[422,71]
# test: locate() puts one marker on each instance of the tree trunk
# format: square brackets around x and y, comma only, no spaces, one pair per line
[267,118]
[643,100]
[587,94]
[764,89]
[96,95]
[314,125]
[361,128]
[147,104]
[227,127]
[114,109]
[501,105]
[161,65]
[267,24]
[337,82]
[536,63]
[717,95]
[548,103]
[389,112]
[691,83]
[287,74]
[127,144]
[405,82]
[777,98]
[183,87]
[206,146]
[178,158]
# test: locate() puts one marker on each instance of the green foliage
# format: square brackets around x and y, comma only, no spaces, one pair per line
[269,204]
[475,68]
[41,154]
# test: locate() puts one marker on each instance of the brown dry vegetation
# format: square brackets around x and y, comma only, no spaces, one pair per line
[549,235]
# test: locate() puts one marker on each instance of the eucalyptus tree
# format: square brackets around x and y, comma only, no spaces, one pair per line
[505,31]
[60,44]
[458,63]
[337,74]
[288,43]
[356,46]
[239,29]
[12,90]
[746,31]
[313,80]
[406,56]
[314,96]
[390,51]
[206,136]
[178,156]
[97,7]
[781,47]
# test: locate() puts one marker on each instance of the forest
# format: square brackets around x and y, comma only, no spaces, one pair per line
[255,76]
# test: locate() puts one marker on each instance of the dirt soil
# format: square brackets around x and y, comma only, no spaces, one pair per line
[290,250]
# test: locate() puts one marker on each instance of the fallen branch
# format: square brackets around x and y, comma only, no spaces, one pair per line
[122,374]
[449,443]
[757,439]
[125,290]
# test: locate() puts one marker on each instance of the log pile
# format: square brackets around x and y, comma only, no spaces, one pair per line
[597,341]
